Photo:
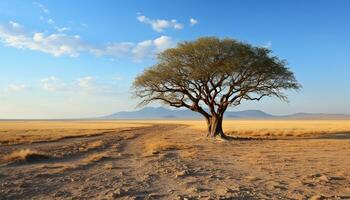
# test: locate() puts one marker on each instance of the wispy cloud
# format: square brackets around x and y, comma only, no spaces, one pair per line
[58,44]
[112,49]
[163,42]
[52,84]
[62,29]
[150,47]
[50,21]
[15,88]
[193,21]
[15,25]
[42,7]
[86,83]
[142,48]
[160,25]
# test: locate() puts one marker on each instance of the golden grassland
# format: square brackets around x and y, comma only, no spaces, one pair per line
[14,132]
[69,124]
[277,127]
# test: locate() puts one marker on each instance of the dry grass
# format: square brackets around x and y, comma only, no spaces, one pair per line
[24,155]
[71,125]
[89,160]
[92,145]
[157,145]
[298,128]
[40,135]
[59,168]
[15,132]
[94,158]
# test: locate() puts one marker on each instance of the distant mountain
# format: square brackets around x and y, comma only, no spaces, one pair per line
[247,114]
[317,116]
[154,113]
[164,113]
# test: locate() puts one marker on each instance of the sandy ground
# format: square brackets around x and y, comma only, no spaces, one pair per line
[169,161]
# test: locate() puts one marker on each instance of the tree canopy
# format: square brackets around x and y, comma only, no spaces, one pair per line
[210,74]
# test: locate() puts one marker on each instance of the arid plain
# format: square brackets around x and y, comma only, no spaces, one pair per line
[268,159]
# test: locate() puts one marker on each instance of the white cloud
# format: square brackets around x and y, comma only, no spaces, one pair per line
[111,49]
[89,85]
[42,7]
[50,21]
[86,82]
[163,42]
[178,26]
[15,88]
[142,49]
[54,44]
[193,21]
[15,25]
[150,47]
[62,29]
[59,44]
[38,37]
[142,18]
[51,84]
[160,25]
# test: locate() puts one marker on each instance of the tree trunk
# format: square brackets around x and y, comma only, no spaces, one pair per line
[209,126]
[215,127]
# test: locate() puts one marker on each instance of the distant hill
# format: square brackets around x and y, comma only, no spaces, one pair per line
[317,116]
[164,113]
[153,113]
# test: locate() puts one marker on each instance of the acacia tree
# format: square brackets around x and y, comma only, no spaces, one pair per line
[210,74]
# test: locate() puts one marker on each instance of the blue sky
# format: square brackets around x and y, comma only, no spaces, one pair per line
[66,59]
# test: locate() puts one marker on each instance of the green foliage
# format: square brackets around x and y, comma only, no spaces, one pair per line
[215,73]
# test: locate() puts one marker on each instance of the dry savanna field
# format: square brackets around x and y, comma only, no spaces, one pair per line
[172,159]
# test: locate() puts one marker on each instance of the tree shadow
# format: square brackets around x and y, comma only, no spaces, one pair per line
[339,136]
[242,138]
[335,136]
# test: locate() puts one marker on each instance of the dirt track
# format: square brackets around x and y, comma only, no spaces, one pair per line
[174,162]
